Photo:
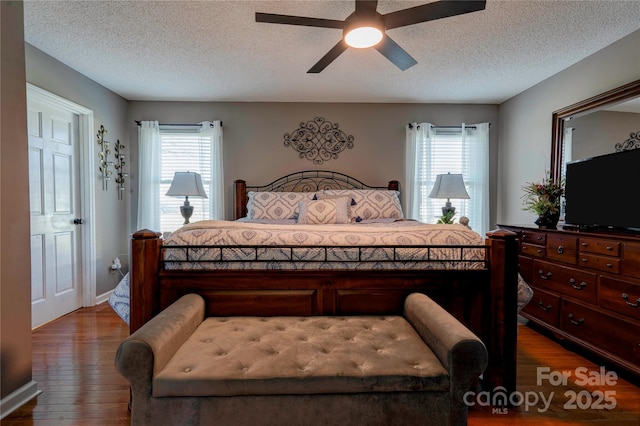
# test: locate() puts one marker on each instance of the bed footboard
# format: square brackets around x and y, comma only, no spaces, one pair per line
[484,300]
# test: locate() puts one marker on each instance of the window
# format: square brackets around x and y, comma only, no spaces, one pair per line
[183,150]
[433,150]
[166,149]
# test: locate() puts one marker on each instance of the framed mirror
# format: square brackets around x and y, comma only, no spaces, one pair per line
[613,114]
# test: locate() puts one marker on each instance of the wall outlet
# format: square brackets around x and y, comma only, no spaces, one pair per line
[116,265]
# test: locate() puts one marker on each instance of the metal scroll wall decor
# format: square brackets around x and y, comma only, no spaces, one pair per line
[632,143]
[103,156]
[119,167]
[105,165]
[318,140]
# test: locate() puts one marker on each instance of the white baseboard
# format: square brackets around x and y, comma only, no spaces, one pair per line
[103,297]
[18,398]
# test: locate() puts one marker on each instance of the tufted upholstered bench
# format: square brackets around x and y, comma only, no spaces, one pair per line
[185,369]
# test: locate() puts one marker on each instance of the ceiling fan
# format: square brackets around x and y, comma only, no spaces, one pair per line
[366,27]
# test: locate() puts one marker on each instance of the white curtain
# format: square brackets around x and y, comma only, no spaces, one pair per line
[213,132]
[567,148]
[475,147]
[149,174]
[417,147]
[567,157]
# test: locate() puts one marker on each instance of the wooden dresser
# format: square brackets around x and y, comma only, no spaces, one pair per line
[586,289]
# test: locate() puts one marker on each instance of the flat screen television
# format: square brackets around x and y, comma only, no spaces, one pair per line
[603,191]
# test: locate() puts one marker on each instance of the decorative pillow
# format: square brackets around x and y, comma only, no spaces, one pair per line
[370,203]
[275,205]
[324,211]
[325,196]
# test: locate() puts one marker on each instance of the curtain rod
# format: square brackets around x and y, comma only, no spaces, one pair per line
[138,122]
[448,127]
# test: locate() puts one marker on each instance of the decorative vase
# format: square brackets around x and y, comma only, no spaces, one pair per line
[548,221]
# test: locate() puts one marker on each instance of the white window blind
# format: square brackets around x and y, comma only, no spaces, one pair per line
[184,150]
[445,157]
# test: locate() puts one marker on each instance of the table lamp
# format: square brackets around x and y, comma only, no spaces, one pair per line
[449,186]
[186,184]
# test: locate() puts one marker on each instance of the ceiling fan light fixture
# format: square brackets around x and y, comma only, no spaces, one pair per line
[363,37]
[363,30]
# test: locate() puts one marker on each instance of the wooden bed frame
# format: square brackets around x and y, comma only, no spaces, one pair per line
[485,299]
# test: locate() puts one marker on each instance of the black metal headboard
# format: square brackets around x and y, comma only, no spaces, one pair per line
[304,181]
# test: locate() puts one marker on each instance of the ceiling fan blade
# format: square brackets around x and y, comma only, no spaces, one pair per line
[431,12]
[366,6]
[329,57]
[396,54]
[273,18]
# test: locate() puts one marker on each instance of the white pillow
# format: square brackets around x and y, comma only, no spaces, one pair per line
[371,203]
[275,205]
[328,211]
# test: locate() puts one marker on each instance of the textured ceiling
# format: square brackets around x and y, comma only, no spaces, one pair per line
[215,51]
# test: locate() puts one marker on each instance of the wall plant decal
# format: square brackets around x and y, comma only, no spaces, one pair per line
[318,140]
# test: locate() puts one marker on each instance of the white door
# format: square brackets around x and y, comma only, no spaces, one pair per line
[54,203]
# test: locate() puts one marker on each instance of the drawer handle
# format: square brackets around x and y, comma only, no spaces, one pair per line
[543,276]
[577,286]
[539,251]
[584,244]
[539,238]
[609,265]
[574,322]
[625,296]
[584,260]
[609,248]
[543,307]
[560,249]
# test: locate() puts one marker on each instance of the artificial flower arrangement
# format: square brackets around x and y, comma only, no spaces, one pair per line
[543,198]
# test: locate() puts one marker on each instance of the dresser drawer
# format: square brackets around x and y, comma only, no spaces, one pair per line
[600,246]
[532,237]
[532,250]
[614,335]
[562,248]
[544,306]
[601,263]
[631,259]
[620,296]
[568,281]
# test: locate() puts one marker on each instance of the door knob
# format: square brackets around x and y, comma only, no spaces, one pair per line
[78,221]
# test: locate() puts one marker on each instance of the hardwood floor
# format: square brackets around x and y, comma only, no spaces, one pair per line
[73,364]
[579,401]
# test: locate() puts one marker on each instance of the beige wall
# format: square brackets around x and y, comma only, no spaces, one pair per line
[253,136]
[109,110]
[525,120]
[15,269]
[599,132]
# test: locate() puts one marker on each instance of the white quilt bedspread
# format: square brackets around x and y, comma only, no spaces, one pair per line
[348,246]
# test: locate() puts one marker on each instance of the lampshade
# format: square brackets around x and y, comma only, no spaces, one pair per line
[449,186]
[187,184]
[363,31]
